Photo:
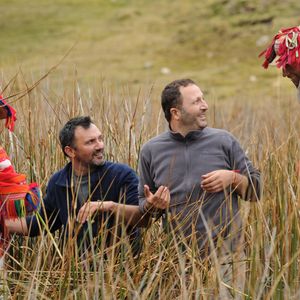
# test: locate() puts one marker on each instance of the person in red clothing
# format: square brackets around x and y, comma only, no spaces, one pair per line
[17,198]
[285,50]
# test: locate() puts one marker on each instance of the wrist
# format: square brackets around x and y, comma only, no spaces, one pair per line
[108,206]
[113,207]
[235,174]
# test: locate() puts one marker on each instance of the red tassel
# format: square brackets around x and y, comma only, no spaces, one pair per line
[11,115]
[262,53]
[265,64]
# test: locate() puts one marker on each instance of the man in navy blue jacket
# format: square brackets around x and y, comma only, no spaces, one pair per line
[87,189]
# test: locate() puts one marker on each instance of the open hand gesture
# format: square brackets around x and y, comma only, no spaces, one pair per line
[160,200]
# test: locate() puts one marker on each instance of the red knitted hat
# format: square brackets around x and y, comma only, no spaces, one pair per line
[286,46]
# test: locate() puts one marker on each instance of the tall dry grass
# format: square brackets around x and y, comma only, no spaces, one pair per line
[268,130]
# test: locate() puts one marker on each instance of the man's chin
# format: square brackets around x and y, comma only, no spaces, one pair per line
[203,125]
[98,162]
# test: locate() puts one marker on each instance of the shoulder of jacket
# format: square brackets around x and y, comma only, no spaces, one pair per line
[157,139]
[118,167]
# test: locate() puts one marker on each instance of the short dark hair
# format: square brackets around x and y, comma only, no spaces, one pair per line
[66,134]
[171,96]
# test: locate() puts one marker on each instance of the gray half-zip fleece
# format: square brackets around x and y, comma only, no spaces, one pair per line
[179,162]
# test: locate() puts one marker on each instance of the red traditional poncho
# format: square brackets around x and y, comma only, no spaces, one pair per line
[17,198]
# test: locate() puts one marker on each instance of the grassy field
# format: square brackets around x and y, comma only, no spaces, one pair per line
[114,73]
[37,269]
[135,42]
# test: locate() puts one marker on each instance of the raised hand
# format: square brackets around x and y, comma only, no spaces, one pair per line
[160,200]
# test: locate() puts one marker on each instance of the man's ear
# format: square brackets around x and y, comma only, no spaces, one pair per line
[175,113]
[70,151]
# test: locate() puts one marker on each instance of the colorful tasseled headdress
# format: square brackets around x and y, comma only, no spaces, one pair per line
[286,46]
[9,113]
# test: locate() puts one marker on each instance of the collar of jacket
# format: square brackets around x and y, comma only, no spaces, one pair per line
[192,135]
[65,177]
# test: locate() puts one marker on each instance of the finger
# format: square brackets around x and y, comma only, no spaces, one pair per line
[166,194]
[159,191]
[79,216]
[82,216]
[159,194]
[161,201]
[209,181]
[88,212]
[208,174]
[83,213]
[147,192]
[209,186]
[214,184]
[165,198]
[80,213]
[210,178]
[162,192]
[215,189]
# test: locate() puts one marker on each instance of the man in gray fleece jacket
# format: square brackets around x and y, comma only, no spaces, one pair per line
[196,172]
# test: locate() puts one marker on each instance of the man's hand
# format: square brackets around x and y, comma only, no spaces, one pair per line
[160,200]
[89,208]
[218,180]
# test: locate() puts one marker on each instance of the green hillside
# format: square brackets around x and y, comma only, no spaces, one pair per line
[216,42]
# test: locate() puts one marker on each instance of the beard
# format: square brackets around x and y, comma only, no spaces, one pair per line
[96,161]
[192,121]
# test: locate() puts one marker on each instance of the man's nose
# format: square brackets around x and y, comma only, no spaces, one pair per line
[100,144]
[204,105]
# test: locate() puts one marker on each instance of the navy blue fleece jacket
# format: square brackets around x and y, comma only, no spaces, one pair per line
[109,182]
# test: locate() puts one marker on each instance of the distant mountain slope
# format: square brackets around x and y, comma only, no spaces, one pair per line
[213,41]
